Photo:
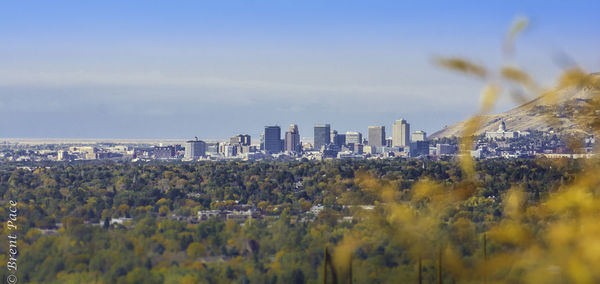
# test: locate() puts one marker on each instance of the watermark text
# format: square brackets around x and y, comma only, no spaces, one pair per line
[13,252]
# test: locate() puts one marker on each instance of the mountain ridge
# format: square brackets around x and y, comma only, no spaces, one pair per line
[543,113]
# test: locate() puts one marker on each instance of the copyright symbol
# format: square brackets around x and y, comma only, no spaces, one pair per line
[12,279]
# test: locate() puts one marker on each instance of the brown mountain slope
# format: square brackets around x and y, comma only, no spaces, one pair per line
[539,114]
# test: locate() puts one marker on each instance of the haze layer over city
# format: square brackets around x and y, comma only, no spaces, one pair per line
[157,70]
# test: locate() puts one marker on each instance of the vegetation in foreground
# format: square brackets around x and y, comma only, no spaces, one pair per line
[425,212]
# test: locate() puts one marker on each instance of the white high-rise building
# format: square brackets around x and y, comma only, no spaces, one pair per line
[353,137]
[419,136]
[194,149]
[401,133]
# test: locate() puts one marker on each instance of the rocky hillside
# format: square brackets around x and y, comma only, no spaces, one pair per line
[540,114]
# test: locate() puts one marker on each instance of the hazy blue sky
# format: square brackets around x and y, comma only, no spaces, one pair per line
[178,69]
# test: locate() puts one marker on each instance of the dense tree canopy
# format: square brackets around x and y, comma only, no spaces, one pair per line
[281,247]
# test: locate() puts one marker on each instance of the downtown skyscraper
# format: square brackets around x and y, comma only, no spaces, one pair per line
[322,135]
[376,136]
[401,133]
[272,139]
[292,139]
[194,149]
[354,137]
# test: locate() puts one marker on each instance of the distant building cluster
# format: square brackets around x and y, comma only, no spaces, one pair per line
[502,133]
[504,143]
[327,143]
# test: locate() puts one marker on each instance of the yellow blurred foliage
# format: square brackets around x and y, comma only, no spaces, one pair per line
[553,240]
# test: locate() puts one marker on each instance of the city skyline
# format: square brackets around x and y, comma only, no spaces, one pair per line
[274,141]
[156,70]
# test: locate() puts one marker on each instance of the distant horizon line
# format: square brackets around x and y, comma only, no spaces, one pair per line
[131,140]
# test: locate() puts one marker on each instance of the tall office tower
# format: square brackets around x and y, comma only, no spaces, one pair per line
[229,149]
[262,141]
[194,149]
[353,137]
[322,135]
[377,136]
[333,136]
[273,139]
[419,136]
[245,139]
[292,139]
[340,140]
[401,133]
[242,139]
